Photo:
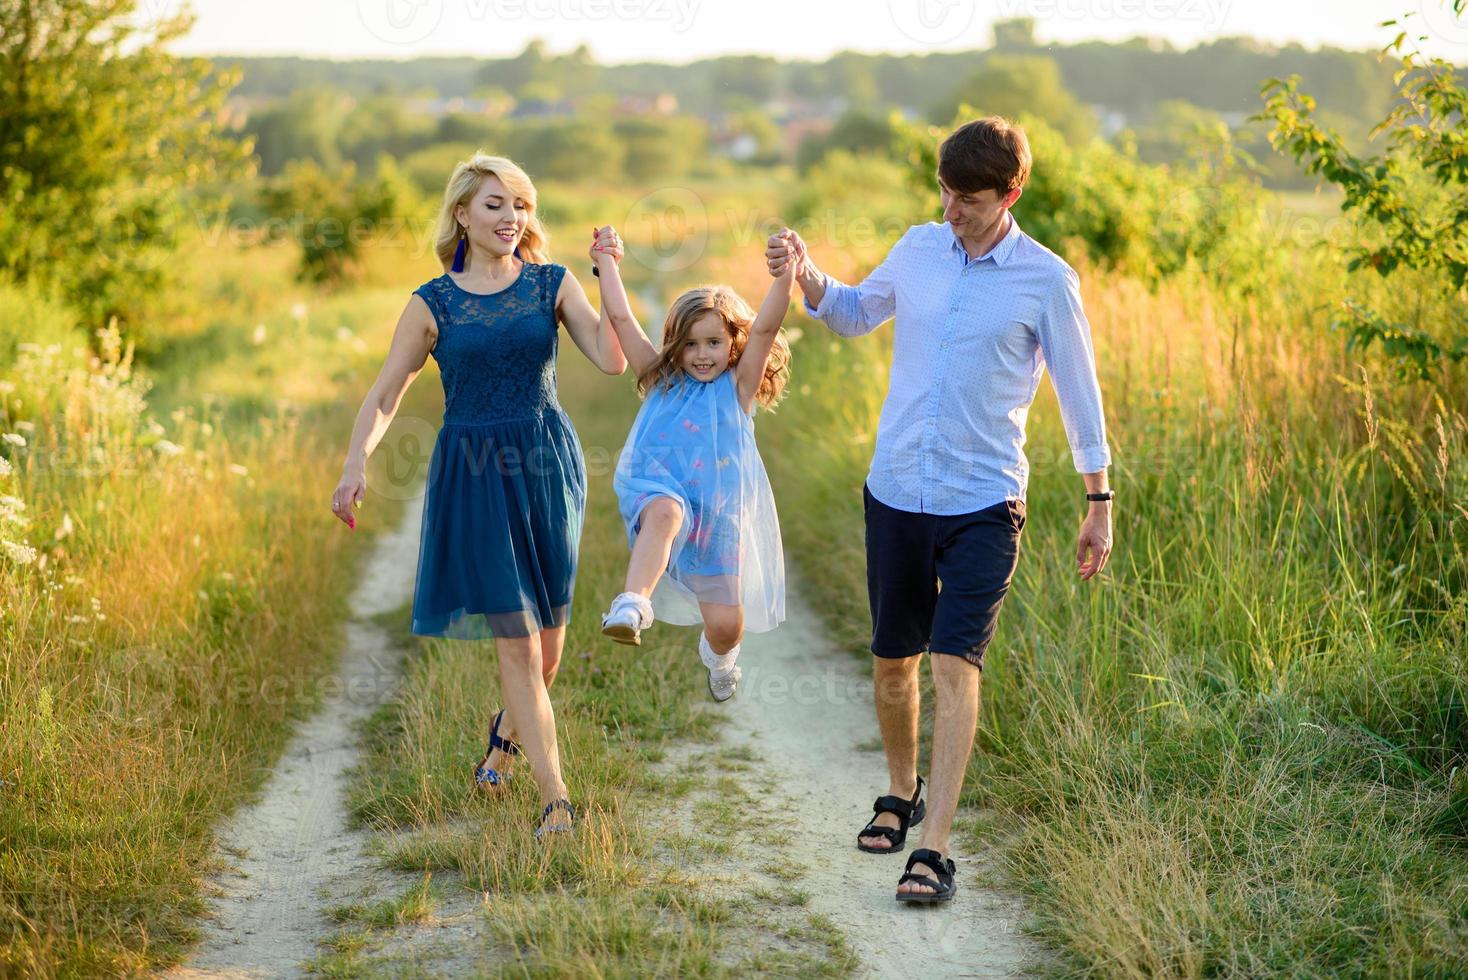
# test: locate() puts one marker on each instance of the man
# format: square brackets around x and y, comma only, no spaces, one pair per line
[981,310]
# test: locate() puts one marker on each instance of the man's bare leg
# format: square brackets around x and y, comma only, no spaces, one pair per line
[956,691]
[895,684]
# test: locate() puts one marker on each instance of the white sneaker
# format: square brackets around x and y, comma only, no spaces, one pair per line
[724,673]
[630,614]
[722,683]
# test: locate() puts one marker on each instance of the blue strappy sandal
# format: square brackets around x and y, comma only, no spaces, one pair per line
[487,779]
[550,807]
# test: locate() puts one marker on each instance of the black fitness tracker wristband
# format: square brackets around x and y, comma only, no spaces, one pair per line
[1103,495]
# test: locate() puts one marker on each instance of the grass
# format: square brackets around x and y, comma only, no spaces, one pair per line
[1241,750]
[182,604]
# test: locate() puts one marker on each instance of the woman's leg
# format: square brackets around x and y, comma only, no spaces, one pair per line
[528,709]
[552,642]
[658,526]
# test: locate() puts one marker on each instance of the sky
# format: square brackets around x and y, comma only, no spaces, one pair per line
[684,30]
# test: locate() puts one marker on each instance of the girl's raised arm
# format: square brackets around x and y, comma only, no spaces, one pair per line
[750,370]
[616,309]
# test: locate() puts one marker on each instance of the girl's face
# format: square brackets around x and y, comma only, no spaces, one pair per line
[706,349]
[496,219]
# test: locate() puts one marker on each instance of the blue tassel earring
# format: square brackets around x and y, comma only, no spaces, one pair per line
[459,253]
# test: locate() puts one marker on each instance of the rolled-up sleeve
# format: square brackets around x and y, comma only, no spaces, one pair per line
[855,310]
[1065,342]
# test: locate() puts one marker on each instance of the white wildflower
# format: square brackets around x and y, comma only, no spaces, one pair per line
[25,425]
[238,470]
[96,604]
[64,531]
[21,554]
[258,337]
[7,387]
[5,468]
[76,619]
[14,438]
[165,448]
[298,311]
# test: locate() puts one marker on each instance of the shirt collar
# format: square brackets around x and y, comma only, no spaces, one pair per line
[1002,249]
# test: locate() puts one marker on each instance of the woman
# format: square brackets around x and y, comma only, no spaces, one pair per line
[507,481]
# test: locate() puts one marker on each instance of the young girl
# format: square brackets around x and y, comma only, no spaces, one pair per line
[690,483]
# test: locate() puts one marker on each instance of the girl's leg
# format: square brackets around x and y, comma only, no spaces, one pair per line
[660,521]
[718,648]
[723,625]
[528,709]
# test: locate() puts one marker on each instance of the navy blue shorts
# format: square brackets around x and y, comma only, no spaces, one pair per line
[936,582]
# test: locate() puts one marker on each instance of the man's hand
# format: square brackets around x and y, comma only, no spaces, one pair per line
[1095,543]
[783,250]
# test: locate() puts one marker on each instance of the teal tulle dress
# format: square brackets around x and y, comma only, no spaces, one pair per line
[506,492]
[693,442]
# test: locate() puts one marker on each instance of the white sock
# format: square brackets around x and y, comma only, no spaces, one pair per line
[719,663]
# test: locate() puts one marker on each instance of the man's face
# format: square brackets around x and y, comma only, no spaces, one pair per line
[973,214]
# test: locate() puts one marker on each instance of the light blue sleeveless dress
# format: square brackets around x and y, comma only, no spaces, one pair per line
[694,443]
[506,491]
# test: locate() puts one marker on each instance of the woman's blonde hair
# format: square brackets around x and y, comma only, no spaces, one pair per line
[738,317]
[464,184]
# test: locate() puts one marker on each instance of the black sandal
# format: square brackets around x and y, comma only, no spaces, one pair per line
[486,778]
[909,813]
[943,888]
[550,807]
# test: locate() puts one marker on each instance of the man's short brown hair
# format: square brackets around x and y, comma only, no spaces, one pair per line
[986,154]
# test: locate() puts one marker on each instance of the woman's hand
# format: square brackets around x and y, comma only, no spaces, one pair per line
[606,244]
[349,495]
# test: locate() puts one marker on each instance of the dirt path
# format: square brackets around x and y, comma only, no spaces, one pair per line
[807,711]
[803,708]
[294,853]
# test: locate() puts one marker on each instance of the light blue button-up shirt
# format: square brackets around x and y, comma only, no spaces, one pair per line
[971,340]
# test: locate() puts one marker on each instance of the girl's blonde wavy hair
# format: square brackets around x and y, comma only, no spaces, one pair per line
[738,317]
[464,184]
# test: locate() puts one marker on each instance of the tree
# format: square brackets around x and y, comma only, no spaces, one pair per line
[305,126]
[856,130]
[101,133]
[1175,130]
[1014,34]
[1015,84]
[1409,204]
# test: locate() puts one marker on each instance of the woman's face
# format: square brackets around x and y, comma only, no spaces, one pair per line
[706,349]
[495,218]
